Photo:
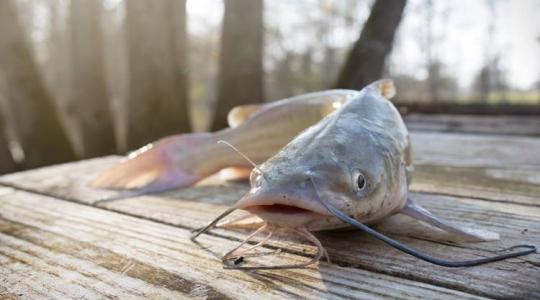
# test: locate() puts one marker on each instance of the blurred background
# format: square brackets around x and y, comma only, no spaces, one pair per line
[87,78]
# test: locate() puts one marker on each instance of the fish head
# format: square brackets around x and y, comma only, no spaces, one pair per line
[357,168]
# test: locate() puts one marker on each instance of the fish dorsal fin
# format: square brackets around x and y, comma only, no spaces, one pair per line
[240,114]
[386,87]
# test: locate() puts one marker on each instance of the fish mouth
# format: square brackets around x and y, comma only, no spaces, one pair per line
[283,211]
[279,209]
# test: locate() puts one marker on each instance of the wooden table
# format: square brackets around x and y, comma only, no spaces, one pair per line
[60,239]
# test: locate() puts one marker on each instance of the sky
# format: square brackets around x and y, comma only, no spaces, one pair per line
[462,47]
[460,28]
[460,32]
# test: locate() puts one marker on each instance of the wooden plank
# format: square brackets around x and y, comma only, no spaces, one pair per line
[469,108]
[517,185]
[452,149]
[30,269]
[505,125]
[69,181]
[445,163]
[506,218]
[174,208]
[56,249]
[516,224]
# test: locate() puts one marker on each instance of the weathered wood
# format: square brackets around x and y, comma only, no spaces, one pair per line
[496,177]
[194,207]
[38,264]
[516,224]
[496,183]
[500,168]
[470,108]
[52,248]
[68,181]
[507,125]
[475,150]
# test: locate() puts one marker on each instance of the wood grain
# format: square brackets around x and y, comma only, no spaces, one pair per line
[515,223]
[466,165]
[472,150]
[60,246]
[514,185]
[56,249]
[499,125]
[68,181]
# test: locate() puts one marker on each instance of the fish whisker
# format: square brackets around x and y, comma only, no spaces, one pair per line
[212,224]
[243,155]
[238,257]
[235,253]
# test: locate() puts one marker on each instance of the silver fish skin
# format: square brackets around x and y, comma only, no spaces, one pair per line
[365,137]
[182,160]
[360,133]
[275,124]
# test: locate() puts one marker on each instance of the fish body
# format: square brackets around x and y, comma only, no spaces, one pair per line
[352,167]
[364,138]
[259,131]
[353,145]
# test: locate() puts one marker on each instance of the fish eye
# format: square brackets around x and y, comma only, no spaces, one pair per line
[359,180]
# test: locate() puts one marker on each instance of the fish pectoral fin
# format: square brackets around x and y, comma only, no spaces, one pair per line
[415,211]
[241,113]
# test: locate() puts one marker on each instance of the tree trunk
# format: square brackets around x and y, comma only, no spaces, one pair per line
[88,104]
[157,101]
[241,63]
[36,122]
[366,60]
[6,160]
[283,74]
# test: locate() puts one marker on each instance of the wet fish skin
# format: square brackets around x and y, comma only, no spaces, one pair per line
[366,135]
[182,160]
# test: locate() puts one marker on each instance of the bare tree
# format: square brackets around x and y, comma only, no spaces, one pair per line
[330,67]
[88,104]
[283,77]
[366,60]
[433,65]
[36,123]
[6,160]
[56,66]
[241,66]
[157,101]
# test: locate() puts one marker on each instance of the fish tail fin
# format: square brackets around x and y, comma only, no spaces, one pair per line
[414,210]
[155,167]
